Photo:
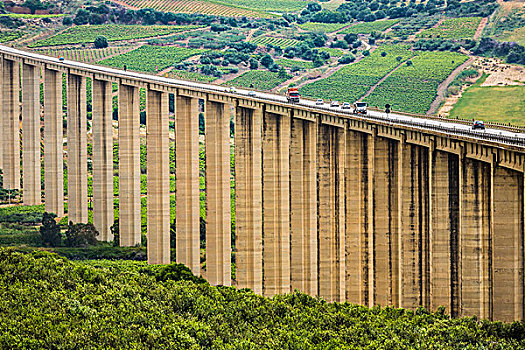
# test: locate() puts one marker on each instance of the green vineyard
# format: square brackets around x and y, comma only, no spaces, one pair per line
[257,79]
[456,28]
[85,55]
[112,32]
[269,40]
[195,6]
[369,27]
[323,27]
[412,88]
[151,58]
[353,81]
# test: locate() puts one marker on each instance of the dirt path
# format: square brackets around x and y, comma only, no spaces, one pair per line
[442,88]
[383,79]
[481,26]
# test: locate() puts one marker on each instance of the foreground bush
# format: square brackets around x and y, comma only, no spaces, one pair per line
[48,302]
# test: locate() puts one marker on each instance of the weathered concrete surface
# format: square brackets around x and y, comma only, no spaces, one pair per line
[11,124]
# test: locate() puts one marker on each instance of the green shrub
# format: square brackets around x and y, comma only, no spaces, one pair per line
[50,231]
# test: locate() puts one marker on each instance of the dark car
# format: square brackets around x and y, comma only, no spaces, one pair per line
[478,124]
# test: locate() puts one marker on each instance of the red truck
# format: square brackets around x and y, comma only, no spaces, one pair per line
[293,95]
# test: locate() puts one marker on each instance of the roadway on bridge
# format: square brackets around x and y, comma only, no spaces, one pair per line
[451,127]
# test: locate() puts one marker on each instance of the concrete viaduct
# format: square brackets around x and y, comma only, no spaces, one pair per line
[372,210]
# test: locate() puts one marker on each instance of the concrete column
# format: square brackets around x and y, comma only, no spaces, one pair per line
[218,201]
[385,221]
[158,169]
[359,215]
[445,228]
[129,165]
[103,216]
[31,134]
[303,206]
[77,149]
[187,195]
[53,143]
[11,124]
[508,245]
[276,203]
[331,162]
[474,238]
[2,110]
[248,198]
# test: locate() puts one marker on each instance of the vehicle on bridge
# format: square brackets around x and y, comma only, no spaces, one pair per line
[478,124]
[319,102]
[293,95]
[346,105]
[360,108]
[334,104]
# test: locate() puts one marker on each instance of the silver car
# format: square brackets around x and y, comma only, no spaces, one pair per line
[346,105]
[334,104]
[319,102]
[252,93]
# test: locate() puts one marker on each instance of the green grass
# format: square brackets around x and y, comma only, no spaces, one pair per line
[194,76]
[112,32]
[500,104]
[333,52]
[516,35]
[322,27]
[281,6]
[413,88]
[146,58]
[369,27]
[24,15]
[257,79]
[455,28]
[354,80]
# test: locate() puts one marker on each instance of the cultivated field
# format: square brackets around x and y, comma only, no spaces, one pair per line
[85,55]
[112,32]
[269,40]
[455,28]
[369,27]
[257,79]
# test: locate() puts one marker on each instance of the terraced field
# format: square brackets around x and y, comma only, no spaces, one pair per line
[151,58]
[85,55]
[455,28]
[369,27]
[354,80]
[194,6]
[9,36]
[285,62]
[270,40]
[112,32]
[194,76]
[281,6]
[412,88]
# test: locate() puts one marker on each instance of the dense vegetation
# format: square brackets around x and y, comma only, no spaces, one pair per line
[49,302]
[260,80]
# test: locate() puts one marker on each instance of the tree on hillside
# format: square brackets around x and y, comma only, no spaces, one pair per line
[79,235]
[50,231]
[34,5]
[101,42]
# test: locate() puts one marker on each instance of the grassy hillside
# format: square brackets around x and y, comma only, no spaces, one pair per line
[49,302]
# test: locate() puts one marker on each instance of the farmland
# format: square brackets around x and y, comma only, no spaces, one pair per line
[85,55]
[205,7]
[412,88]
[285,62]
[281,6]
[369,27]
[146,58]
[354,80]
[269,40]
[322,27]
[185,75]
[9,36]
[87,34]
[479,102]
[455,28]
[258,79]
[333,52]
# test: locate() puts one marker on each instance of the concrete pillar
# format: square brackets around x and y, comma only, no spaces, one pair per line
[31,134]
[331,162]
[1,109]
[11,124]
[158,169]
[474,239]
[187,195]
[103,216]
[129,165]
[303,206]
[77,149]
[276,203]
[218,201]
[445,228]
[53,143]
[248,198]
[359,215]
[386,223]
[508,245]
